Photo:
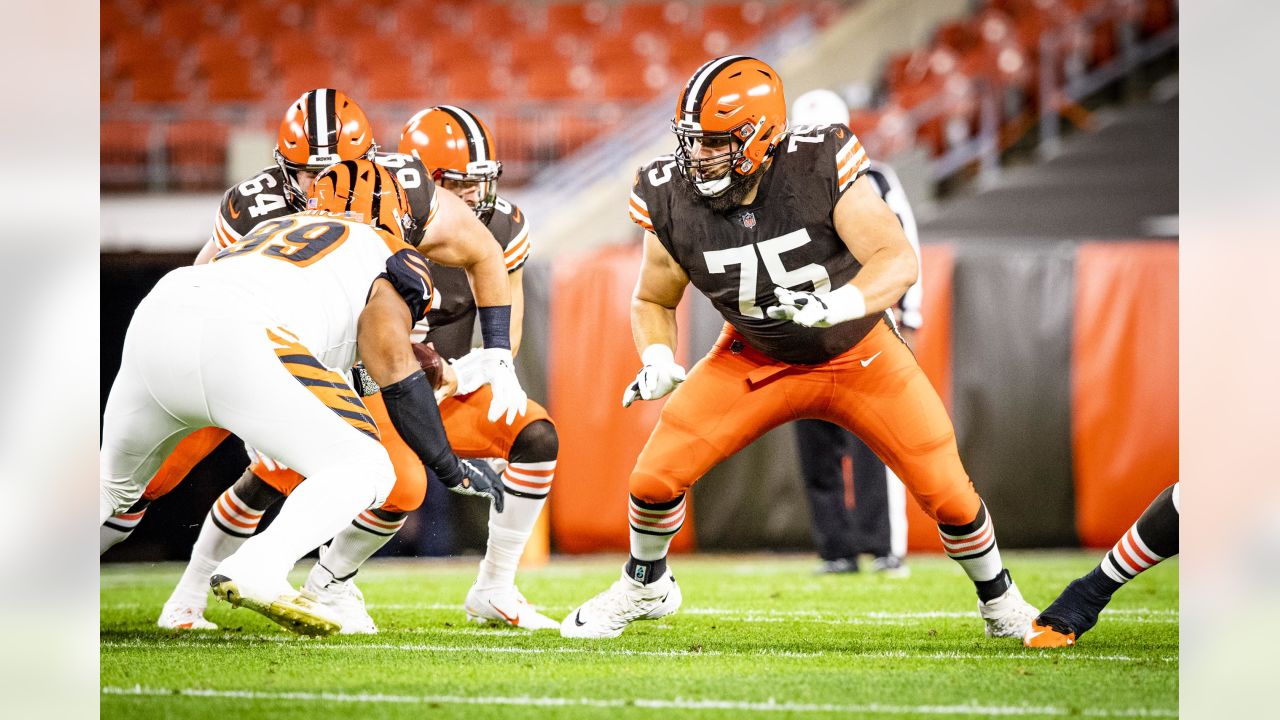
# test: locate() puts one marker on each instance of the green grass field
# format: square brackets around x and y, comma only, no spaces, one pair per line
[758,636]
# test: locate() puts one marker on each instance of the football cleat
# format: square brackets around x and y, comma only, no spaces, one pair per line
[505,606]
[288,608]
[1047,636]
[174,617]
[606,615]
[343,601]
[1008,615]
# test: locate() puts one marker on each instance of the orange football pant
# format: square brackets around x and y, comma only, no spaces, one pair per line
[875,389]
[470,434]
[185,456]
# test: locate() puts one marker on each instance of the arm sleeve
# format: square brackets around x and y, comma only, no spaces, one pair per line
[224,234]
[411,404]
[408,274]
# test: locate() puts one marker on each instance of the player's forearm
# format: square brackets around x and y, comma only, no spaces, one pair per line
[885,278]
[516,282]
[206,253]
[652,324]
[488,278]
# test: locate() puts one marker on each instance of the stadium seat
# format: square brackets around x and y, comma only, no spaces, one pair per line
[184,22]
[232,80]
[197,153]
[579,18]
[556,80]
[449,51]
[392,78]
[264,21]
[475,81]
[660,16]
[157,82]
[297,78]
[125,147]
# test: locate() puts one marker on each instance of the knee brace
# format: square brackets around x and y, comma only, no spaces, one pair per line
[255,492]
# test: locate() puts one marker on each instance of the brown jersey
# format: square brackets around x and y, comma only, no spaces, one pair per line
[262,197]
[453,315]
[785,238]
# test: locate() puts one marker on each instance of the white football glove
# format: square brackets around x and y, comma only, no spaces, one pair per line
[467,371]
[659,376]
[256,455]
[498,370]
[812,310]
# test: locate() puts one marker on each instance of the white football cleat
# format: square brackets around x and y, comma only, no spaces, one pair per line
[506,606]
[343,601]
[274,600]
[176,617]
[606,615]
[1008,615]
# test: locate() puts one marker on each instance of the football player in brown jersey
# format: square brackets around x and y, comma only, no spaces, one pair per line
[799,253]
[320,126]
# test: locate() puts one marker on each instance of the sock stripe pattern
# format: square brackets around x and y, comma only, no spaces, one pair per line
[369,522]
[662,520]
[1129,557]
[125,522]
[965,542]
[233,516]
[529,479]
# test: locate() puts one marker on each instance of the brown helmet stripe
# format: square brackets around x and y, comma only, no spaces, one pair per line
[478,144]
[691,98]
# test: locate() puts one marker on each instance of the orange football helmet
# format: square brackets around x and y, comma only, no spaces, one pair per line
[734,102]
[322,127]
[361,190]
[457,149]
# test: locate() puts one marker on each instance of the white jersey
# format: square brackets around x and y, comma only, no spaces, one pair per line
[311,273]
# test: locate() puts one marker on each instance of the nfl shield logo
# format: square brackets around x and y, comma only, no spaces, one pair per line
[748,220]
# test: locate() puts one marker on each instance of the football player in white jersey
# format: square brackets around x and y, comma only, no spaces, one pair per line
[252,343]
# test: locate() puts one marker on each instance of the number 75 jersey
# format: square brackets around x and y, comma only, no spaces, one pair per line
[785,238]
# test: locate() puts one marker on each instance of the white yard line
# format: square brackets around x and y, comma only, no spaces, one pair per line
[212,641]
[771,705]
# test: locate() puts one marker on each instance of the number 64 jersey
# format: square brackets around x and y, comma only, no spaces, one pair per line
[785,238]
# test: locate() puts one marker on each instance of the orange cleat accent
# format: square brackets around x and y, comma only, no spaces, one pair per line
[1044,636]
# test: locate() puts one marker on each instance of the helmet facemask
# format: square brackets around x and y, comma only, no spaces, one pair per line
[718,174]
[484,174]
[316,164]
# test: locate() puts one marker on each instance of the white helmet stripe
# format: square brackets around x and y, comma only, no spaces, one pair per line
[702,77]
[481,145]
[321,118]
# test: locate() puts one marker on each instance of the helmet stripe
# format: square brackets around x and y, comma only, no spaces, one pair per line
[701,80]
[350,167]
[329,138]
[477,142]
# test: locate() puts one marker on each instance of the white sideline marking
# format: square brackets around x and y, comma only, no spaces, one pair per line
[825,617]
[770,705]
[212,642]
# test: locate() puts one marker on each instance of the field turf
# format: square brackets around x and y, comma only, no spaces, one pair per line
[758,637]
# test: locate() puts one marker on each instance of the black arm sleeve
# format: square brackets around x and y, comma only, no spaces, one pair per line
[415,415]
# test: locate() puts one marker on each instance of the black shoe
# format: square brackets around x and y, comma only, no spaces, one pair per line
[1076,610]
[890,565]
[839,565]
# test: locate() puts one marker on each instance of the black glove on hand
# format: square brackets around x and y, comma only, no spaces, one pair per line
[478,478]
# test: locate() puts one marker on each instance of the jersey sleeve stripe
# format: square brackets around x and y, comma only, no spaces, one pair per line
[224,235]
[856,160]
[851,147]
[641,220]
[517,253]
[431,213]
[639,202]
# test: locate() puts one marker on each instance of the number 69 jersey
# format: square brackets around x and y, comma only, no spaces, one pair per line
[262,197]
[785,238]
[311,273]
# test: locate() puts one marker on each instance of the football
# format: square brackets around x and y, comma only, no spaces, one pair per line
[431,361]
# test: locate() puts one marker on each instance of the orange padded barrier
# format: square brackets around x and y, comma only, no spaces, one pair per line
[933,351]
[1124,383]
[590,362]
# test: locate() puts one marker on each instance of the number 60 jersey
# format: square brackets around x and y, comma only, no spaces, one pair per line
[786,237]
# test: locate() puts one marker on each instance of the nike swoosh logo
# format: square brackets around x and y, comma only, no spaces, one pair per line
[576,620]
[232,210]
[868,360]
[514,621]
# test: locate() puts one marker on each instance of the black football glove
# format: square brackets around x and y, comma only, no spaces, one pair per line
[478,478]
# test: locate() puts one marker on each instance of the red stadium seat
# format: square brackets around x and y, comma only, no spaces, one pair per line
[264,21]
[232,80]
[394,80]
[449,51]
[184,22]
[550,80]
[743,19]
[125,148]
[662,16]
[476,81]
[298,78]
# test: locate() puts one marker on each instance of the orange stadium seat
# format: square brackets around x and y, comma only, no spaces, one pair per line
[393,79]
[197,154]
[737,19]
[448,51]
[184,22]
[297,78]
[660,16]
[342,19]
[263,21]
[549,80]
[474,81]
[125,146]
[580,18]
[232,80]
